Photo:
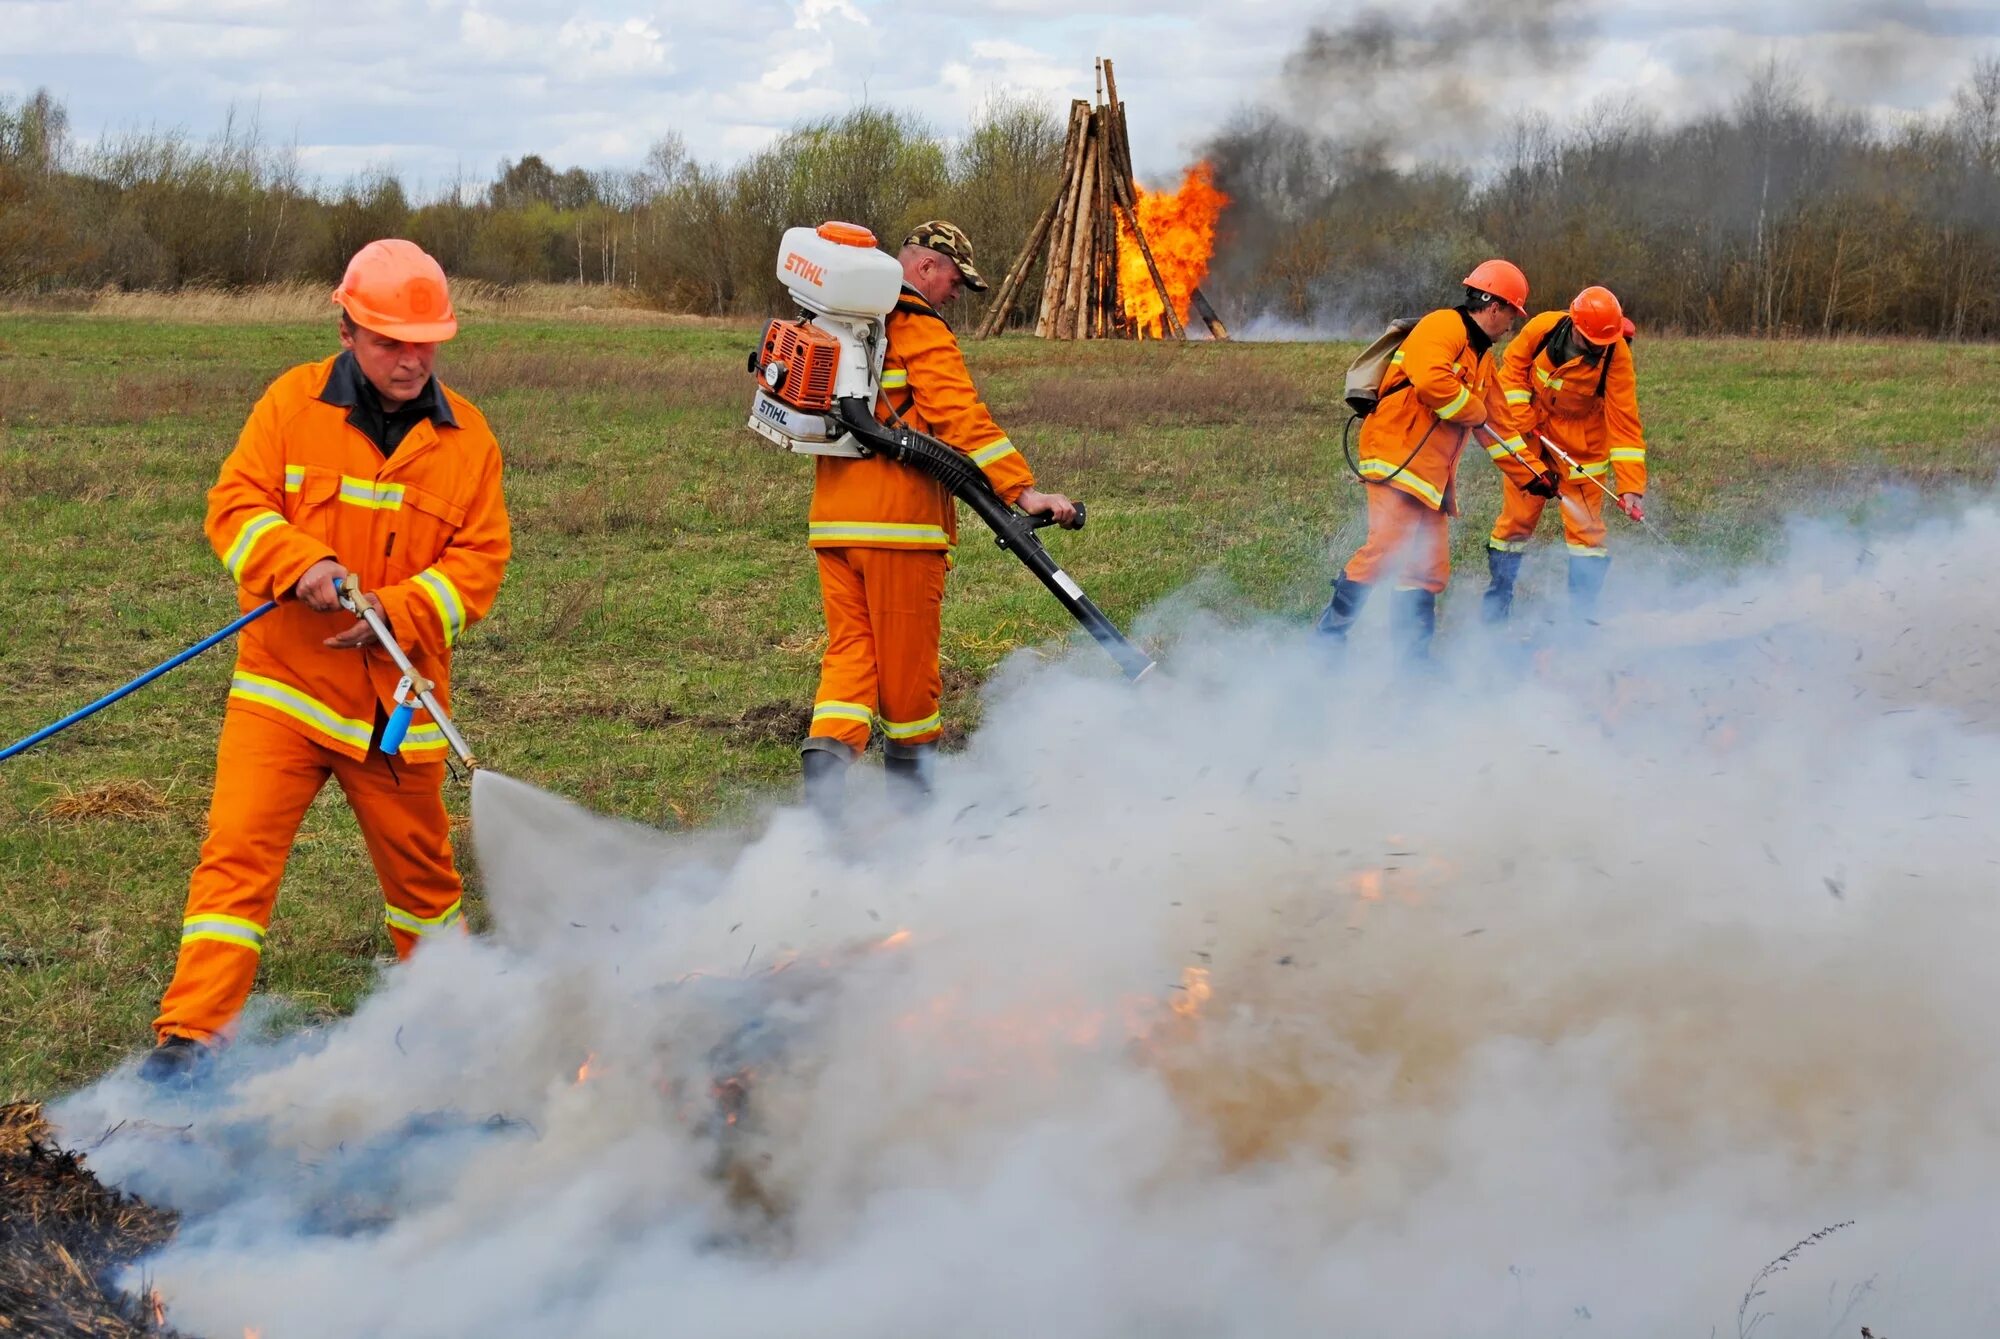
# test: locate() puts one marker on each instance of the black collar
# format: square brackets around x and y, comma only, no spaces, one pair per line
[1477,338]
[916,304]
[346,387]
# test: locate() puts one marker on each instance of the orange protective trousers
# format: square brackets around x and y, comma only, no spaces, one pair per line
[1521,512]
[883,609]
[1408,543]
[266,774]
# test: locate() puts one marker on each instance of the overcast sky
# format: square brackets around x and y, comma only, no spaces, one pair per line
[429,86]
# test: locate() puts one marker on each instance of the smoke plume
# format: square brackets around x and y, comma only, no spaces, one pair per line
[1560,994]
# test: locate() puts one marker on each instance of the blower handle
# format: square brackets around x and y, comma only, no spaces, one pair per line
[1041,520]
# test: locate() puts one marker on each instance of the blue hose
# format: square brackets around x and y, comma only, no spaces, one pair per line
[140,682]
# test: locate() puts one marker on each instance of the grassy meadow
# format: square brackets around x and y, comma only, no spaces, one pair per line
[654,650]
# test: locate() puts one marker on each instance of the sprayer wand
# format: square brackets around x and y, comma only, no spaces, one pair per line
[412,683]
[1630,511]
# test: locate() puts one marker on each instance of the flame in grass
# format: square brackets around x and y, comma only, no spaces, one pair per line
[586,1069]
[1194,992]
[1180,229]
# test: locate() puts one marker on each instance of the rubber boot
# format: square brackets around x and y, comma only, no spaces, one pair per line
[177,1062]
[1505,567]
[825,762]
[1414,623]
[1586,583]
[908,772]
[1342,609]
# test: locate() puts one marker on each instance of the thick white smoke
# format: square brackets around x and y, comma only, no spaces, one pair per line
[1554,997]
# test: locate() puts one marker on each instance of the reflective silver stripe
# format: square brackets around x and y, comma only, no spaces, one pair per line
[910,729]
[986,455]
[1590,471]
[284,697]
[1522,396]
[368,493]
[295,477]
[253,530]
[411,923]
[1458,402]
[896,379]
[1629,455]
[217,928]
[451,609]
[843,711]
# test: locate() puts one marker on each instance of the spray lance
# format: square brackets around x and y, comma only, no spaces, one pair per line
[1577,471]
[818,380]
[411,686]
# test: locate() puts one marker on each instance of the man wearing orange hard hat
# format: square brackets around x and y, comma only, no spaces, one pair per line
[364,469]
[1566,388]
[1432,396]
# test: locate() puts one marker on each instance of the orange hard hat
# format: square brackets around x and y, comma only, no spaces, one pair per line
[1596,315]
[394,288]
[1504,280]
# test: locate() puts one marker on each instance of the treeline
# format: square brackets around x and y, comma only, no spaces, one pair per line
[162,210]
[1777,215]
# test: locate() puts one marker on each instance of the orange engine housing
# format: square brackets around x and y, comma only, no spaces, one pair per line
[797,364]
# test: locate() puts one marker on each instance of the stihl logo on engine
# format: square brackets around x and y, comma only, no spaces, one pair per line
[805,269]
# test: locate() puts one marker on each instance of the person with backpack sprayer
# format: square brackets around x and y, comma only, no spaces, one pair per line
[1568,414]
[1415,419]
[360,483]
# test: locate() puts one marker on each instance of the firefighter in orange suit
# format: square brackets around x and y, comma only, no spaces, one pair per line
[1433,395]
[362,467]
[883,533]
[1567,376]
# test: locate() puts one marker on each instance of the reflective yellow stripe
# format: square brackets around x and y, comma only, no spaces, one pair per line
[368,493]
[986,455]
[1588,551]
[910,729]
[1554,383]
[295,476]
[411,923]
[425,737]
[1380,471]
[894,380]
[219,929]
[1628,455]
[451,609]
[253,530]
[1499,450]
[1506,545]
[1396,358]
[1522,396]
[843,711]
[285,698]
[1458,402]
[1590,471]
[879,532]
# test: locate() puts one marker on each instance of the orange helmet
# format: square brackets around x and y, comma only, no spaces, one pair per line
[394,288]
[1504,280]
[1597,316]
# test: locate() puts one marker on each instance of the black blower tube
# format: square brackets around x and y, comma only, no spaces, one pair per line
[1011,530]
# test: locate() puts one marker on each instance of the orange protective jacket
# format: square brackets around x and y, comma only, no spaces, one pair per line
[1588,407]
[1434,393]
[425,530]
[875,503]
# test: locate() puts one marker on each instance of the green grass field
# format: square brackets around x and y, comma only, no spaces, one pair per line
[654,651]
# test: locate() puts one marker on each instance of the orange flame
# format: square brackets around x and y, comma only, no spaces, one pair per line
[252,1332]
[1194,992]
[583,1070]
[1180,229]
[159,1307]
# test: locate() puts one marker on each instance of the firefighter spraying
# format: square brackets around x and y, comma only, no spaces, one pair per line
[363,497]
[1431,395]
[883,532]
[1567,415]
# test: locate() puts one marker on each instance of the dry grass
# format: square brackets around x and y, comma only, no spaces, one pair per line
[32,397]
[275,304]
[1113,400]
[117,801]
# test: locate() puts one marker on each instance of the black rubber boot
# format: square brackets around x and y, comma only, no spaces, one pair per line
[1415,623]
[825,763]
[1586,583]
[1342,609]
[1505,567]
[908,771]
[179,1062]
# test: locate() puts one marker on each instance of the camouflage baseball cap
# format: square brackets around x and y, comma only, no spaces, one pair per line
[949,240]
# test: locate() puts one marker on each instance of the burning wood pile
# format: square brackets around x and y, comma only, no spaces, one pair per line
[62,1234]
[1122,262]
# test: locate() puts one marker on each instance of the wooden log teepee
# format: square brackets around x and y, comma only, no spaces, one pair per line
[1081,295]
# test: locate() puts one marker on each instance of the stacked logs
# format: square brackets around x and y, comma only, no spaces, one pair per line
[1078,232]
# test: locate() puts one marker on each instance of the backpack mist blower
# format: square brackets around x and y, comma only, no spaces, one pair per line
[818,378]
